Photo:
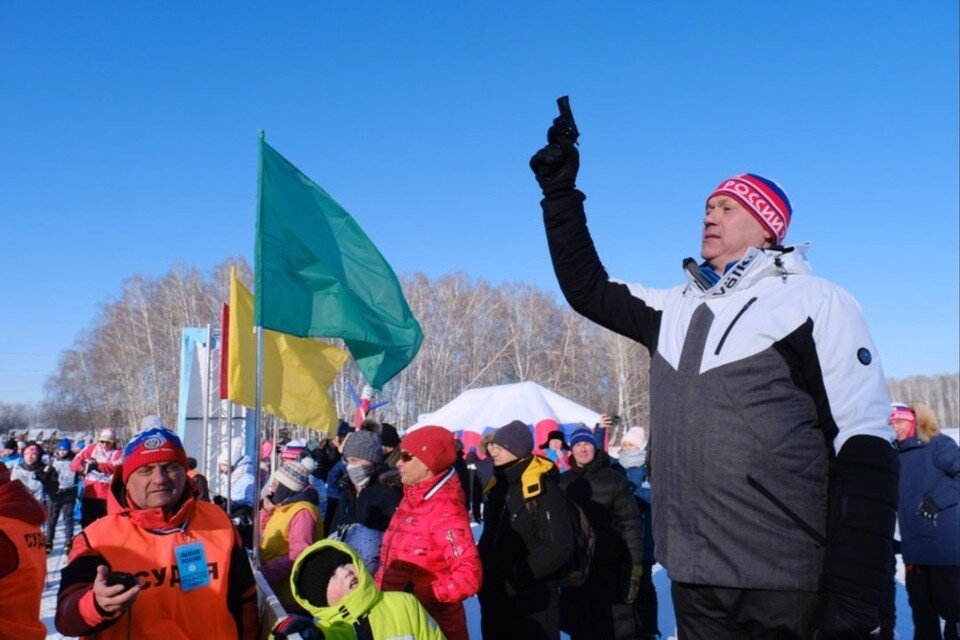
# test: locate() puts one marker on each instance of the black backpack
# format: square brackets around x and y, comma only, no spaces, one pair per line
[574,573]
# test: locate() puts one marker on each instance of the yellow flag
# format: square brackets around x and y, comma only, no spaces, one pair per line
[297,372]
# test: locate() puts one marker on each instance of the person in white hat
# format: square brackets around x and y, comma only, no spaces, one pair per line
[236,478]
[632,462]
[97,462]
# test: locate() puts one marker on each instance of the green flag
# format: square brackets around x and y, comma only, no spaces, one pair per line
[318,274]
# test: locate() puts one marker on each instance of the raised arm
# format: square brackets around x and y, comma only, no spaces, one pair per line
[631,311]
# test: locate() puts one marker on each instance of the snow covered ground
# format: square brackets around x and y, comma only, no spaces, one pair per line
[57,560]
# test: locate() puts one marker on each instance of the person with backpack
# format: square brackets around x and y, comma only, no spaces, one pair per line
[527,542]
[603,607]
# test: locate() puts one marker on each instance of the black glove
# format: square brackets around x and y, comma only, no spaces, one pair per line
[929,508]
[293,627]
[555,166]
[844,618]
[633,587]
[91,465]
[864,485]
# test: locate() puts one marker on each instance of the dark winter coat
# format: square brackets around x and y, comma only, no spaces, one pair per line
[929,469]
[41,480]
[463,475]
[598,608]
[637,476]
[67,489]
[374,506]
[485,471]
[527,540]
[755,377]
[326,456]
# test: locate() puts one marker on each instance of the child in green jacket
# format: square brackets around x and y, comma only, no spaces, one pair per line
[331,583]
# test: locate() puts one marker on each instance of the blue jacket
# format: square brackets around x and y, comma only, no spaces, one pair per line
[930,470]
[333,479]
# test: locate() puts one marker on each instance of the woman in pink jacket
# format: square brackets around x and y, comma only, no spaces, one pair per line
[428,548]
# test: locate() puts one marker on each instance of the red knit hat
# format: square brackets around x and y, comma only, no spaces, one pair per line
[763,198]
[900,411]
[150,446]
[433,446]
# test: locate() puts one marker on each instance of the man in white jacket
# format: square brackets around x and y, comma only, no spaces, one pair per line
[774,480]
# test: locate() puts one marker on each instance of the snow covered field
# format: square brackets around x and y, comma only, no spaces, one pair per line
[57,560]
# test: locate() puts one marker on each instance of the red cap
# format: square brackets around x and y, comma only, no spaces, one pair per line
[433,446]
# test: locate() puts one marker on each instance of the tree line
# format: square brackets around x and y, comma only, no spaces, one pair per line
[126,364]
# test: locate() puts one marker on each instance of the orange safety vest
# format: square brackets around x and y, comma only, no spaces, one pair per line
[21,591]
[162,610]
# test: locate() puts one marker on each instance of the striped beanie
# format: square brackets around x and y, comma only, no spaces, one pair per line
[295,475]
[763,198]
[583,435]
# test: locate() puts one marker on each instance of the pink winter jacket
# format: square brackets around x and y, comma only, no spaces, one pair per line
[429,549]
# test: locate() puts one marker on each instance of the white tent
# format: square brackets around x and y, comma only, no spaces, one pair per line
[477,410]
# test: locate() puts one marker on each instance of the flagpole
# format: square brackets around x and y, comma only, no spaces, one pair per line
[208,393]
[258,414]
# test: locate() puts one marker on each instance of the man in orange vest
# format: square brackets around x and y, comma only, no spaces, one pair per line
[161,564]
[23,560]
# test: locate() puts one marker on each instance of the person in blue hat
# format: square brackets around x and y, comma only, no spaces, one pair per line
[65,498]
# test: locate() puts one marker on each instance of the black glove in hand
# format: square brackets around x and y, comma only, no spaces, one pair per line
[845,618]
[633,589]
[929,508]
[555,166]
[91,465]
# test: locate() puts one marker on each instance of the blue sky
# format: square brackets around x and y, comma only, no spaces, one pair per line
[129,135]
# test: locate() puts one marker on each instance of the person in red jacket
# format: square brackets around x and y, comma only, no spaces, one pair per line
[428,548]
[23,560]
[97,461]
[187,573]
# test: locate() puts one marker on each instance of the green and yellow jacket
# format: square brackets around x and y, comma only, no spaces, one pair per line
[366,612]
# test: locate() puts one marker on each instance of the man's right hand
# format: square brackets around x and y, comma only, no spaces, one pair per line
[112,600]
[555,166]
[91,466]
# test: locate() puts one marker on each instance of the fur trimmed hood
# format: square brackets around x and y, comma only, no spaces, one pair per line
[927,426]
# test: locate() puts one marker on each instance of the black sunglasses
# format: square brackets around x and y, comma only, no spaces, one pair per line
[406,457]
